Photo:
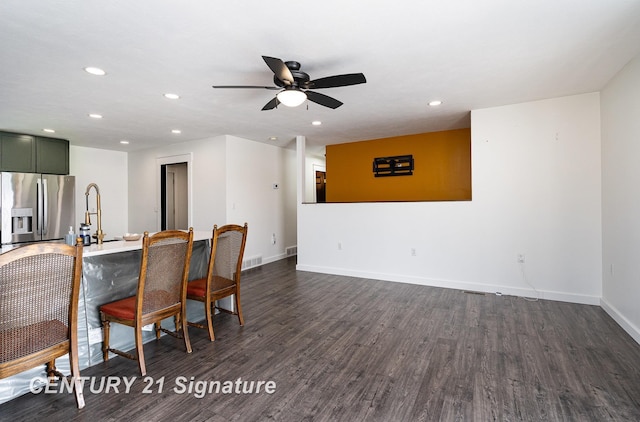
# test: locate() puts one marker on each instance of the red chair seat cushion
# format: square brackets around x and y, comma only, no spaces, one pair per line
[126,308]
[219,285]
[197,288]
[123,308]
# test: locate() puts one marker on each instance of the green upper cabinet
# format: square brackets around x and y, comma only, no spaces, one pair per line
[31,154]
[52,156]
[17,153]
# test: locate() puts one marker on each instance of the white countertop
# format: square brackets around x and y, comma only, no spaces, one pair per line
[117,246]
[132,245]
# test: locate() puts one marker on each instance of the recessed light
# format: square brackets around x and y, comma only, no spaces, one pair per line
[95,71]
[124,142]
[95,116]
[273,138]
[435,103]
[49,130]
[172,96]
[316,123]
[176,131]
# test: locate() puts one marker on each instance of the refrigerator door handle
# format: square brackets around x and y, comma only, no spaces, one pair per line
[39,206]
[45,207]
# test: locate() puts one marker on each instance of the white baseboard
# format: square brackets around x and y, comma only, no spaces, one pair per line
[274,258]
[622,321]
[457,284]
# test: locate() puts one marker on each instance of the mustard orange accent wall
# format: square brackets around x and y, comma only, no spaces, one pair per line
[442,169]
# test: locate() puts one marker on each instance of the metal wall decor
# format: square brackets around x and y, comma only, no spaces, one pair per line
[400,165]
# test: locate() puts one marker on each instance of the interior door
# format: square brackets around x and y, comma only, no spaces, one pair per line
[174,199]
[321,186]
[170,193]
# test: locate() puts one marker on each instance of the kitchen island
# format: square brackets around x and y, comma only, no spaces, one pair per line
[110,272]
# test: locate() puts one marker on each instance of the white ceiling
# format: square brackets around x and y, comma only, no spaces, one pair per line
[468,53]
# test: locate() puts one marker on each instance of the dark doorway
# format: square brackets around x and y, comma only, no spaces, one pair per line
[321,186]
[173,196]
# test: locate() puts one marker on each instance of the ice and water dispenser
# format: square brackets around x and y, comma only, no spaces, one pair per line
[21,220]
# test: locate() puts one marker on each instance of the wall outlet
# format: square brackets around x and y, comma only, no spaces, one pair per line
[273,238]
[413,251]
[339,246]
[521,258]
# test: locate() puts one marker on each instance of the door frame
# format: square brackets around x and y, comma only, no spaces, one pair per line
[317,167]
[169,208]
[174,159]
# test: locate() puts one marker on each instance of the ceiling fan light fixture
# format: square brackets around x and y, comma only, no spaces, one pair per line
[291,97]
[95,71]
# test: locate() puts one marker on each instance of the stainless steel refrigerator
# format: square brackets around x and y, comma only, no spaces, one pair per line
[36,207]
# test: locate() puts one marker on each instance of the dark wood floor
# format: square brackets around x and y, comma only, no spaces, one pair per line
[341,348]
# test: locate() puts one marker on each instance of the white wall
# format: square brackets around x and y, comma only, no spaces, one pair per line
[290,216]
[620,198]
[232,182]
[253,168]
[108,169]
[208,183]
[536,191]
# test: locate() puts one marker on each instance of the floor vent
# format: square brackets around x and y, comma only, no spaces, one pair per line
[251,262]
[291,250]
[470,292]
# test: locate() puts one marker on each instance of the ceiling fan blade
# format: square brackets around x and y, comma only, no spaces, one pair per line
[271,104]
[337,80]
[323,100]
[247,86]
[280,69]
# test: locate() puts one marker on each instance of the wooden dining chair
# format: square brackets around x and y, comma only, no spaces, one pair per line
[161,293]
[223,274]
[39,290]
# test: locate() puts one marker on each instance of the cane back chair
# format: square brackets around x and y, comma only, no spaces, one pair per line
[164,270]
[223,274]
[39,290]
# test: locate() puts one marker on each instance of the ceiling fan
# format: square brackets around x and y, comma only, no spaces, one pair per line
[295,85]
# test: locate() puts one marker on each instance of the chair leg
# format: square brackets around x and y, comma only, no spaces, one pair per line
[140,350]
[105,338]
[208,314]
[185,329]
[51,370]
[239,308]
[157,326]
[75,376]
[77,388]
